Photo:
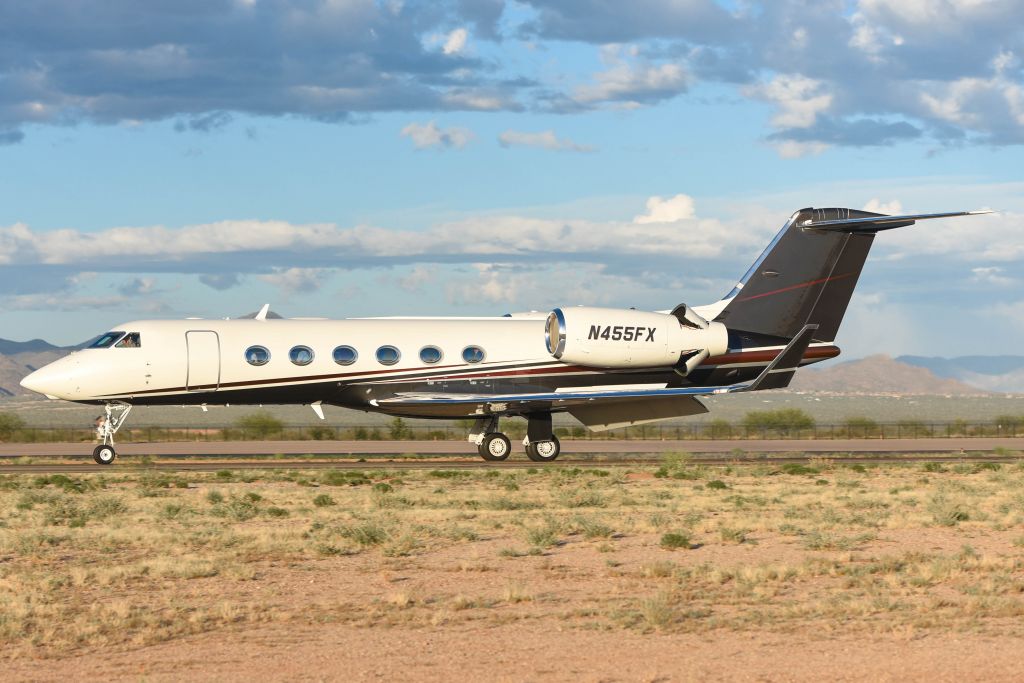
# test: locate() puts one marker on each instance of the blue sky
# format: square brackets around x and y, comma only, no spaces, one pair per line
[350,157]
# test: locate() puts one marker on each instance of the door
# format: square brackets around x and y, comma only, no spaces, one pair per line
[203,360]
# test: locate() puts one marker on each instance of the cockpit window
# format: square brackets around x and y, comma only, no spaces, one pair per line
[132,340]
[106,340]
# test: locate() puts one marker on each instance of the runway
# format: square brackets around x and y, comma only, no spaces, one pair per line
[128,466]
[569,447]
[204,456]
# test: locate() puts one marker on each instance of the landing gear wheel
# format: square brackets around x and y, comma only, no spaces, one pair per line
[544,451]
[104,455]
[495,447]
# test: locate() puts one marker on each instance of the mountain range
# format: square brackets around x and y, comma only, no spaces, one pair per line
[875,374]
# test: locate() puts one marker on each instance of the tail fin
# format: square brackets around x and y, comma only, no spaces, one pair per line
[807,274]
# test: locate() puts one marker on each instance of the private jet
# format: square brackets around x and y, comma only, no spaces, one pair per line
[606,367]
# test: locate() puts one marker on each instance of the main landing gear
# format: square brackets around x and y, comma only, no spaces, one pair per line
[104,454]
[541,444]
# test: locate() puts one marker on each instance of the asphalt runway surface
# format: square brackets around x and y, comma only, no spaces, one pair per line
[203,456]
[569,447]
[127,466]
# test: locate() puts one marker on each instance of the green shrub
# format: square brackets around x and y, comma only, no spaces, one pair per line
[716,484]
[323,500]
[9,424]
[785,421]
[675,541]
[260,424]
[860,426]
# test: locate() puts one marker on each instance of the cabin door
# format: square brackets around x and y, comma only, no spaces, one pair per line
[203,360]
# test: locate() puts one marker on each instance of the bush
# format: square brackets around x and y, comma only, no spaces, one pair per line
[9,424]
[399,430]
[320,433]
[716,484]
[860,427]
[784,421]
[323,500]
[1009,424]
[675,541]
[260,424]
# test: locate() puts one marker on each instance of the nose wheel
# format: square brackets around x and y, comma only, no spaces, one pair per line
[116,413]
[104,455]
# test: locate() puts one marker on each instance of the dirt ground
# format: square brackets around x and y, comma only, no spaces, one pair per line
[676,574]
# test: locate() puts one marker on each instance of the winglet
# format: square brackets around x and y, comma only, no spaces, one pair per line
[262,315]
[780,371]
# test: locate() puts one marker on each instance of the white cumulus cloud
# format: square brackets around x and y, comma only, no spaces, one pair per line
[544,140]
[427,135]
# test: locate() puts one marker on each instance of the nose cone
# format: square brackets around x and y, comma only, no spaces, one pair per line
[42,381]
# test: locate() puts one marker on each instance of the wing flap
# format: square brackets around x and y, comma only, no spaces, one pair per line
[601,416]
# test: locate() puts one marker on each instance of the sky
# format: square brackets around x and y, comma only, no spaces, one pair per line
[349,158]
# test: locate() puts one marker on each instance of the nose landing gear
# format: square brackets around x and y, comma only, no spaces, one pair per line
[104,454]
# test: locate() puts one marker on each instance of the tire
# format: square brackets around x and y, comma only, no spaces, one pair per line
[544,451]
[104,455]
[495,447]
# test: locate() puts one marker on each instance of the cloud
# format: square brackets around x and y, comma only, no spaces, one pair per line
[220,281]
[140,286]
[201,63]
[631,81]
[295,280]
[797,98]
[992,276]
[417,278]
[292,256]
[892,208]
[455,42]
[544,140]
[669,210]
[427,135]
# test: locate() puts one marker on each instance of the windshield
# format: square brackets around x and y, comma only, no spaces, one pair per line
[106,340]
[132,340]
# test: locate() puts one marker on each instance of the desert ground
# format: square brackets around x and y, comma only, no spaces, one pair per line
[664,573]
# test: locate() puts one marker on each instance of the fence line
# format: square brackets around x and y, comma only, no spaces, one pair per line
[398,431]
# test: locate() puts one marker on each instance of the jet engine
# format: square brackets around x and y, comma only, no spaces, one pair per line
[618,338]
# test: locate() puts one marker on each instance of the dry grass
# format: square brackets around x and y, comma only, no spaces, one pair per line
[97,560]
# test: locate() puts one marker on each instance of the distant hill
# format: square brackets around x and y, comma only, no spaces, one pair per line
[991,373]
[878,375]
[9,348]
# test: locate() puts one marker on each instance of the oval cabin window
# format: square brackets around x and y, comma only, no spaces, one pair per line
[388,355]
[431,355]
[301,355]
[345,355]
[472,354]
[257,355]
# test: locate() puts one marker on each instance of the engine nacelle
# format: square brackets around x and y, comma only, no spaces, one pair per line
[619,338]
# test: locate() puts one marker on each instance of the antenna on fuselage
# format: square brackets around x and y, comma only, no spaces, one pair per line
[262,315]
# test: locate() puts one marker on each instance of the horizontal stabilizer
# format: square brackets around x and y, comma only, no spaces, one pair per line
[876,223]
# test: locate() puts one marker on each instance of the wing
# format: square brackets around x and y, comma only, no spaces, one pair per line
[777,375]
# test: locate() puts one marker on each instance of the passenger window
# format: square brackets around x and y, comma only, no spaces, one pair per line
[430,355]
[472,354]
[345,355]
[388,355]
[132,340]
[106,340]
[301,355]
[257,355]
